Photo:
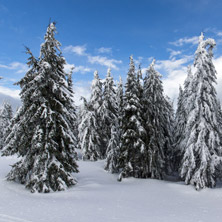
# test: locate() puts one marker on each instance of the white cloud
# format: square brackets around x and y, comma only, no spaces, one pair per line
[218,66]
[68,67]
[81,89]
[150,59]
[78,49]
[175,72]
[81,69]
[20,67]
[101,60]
[173,64]
[180,42]
[10,92]
[104,50]
[138,60]
[104,61]
[174,53]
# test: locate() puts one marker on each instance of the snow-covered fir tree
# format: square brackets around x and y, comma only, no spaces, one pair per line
[41,134]
[108,109]
[90,127]
[139,83]
[73,109]
[179,128]
[132,147]
[181,119]
[113,149]
[156,123]
[6,115]
[169,136]
[89,138]
[120,104]
[202,144]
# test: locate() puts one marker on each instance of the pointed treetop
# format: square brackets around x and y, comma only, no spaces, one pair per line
[96,74]
[131,60]
[109,72]
[153,63]
[120,80]
[201,37]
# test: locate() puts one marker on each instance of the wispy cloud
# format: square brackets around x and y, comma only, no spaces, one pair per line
[20,67]
[215,31]
[175,72]
[10,92]
[80,69]
[81,88]
[186,40]
[101,60]
[78,49]
[104,50]
[218,66]
[172,64]
[104,61]
[174,53]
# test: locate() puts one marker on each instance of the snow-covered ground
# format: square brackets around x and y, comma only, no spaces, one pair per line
[98,197]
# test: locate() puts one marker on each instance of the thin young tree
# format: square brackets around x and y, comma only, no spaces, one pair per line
[6,115]
[41,134]
[108,109]
[113,149]
[90,130]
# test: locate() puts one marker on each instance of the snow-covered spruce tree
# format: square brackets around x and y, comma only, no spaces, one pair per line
[139,83]
[168,133]
[120,104]
[108,109]
[89,138]
[41,133]
[179,128]
[181,119]
[90,129]
[202,143]
[132,147]
[156,123]
[113,149]
[73,109]
[6,115]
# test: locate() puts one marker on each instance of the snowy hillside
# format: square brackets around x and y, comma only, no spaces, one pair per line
[99,197]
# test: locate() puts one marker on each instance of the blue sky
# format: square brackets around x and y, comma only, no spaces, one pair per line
[96,34]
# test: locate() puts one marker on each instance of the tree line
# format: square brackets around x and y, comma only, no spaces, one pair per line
[133,127]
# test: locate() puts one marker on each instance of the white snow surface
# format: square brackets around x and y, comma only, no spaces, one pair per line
[99,197]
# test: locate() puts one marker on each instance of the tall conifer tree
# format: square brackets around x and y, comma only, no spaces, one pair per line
[113,149]
[202,143]
[156,122]
[132,146]
[90,127]
[108,109]
[41,133]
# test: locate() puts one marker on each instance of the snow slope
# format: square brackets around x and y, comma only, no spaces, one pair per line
[98,197]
